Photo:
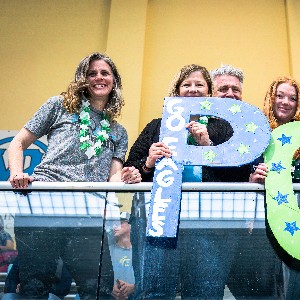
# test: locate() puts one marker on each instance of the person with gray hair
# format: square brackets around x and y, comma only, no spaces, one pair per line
[253,253]
[227,82]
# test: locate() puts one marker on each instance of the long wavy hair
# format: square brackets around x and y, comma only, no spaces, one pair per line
[270,100]
[79,87]
[185,73]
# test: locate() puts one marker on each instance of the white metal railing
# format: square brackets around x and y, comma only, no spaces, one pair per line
[143,186]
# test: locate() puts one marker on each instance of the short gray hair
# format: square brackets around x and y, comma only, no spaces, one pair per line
[227,70]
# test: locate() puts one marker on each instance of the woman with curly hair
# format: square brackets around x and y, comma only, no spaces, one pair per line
[204,271]
[281,105]
[86,144]
[191,81]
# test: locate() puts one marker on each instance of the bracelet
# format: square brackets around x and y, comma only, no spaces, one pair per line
[146,169]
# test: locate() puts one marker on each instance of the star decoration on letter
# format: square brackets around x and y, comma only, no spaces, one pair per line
[210,155]
[285,139]
[277,167]
[280,198]
[291,227]
[235,109]
[251,127]
[243,149]
[206,104]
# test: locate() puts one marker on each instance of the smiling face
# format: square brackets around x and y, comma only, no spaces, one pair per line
[285,103]
[194,86]
[227,86]
[100,79]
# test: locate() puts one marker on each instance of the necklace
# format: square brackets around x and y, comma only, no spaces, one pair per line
[100,135]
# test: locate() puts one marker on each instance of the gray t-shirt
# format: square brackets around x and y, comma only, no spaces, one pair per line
[63,160]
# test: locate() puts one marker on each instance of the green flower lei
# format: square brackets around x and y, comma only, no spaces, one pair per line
[89,147]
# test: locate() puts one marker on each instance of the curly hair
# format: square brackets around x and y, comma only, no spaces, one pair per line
[269,103]
[185,73]
[79,87]
[270,100]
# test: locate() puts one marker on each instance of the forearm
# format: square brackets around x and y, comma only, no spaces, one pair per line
[15,157]
[116,177]
[15,150]
[137,158]
[115,170]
